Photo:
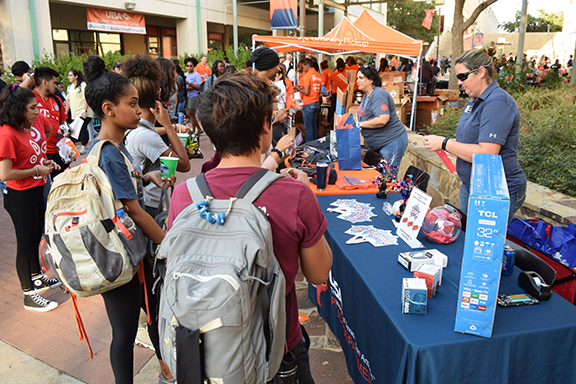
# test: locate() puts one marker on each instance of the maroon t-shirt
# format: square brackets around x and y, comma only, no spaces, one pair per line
[295,217]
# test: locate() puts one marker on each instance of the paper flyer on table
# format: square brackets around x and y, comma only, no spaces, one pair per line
[413,217]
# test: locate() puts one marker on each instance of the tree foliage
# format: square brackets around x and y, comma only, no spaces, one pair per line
[407,18]
[537,24]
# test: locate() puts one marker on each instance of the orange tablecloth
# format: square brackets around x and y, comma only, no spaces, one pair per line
[363,174]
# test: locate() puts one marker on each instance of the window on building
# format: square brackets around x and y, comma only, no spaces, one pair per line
[215,40]
[85,42]
[161,41]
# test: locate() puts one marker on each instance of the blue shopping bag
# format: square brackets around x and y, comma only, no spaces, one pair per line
[348,143]
[562,244]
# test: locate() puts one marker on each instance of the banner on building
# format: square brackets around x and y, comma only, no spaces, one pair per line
[115,21]
[468,40]
[479,40]
[427,23]
[283,14]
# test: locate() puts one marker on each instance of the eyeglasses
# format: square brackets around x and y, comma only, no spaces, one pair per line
[464,76]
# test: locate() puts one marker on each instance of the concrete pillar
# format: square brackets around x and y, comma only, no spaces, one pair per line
[44,27]
[15,32]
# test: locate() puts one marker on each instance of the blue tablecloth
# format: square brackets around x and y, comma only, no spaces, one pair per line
[362,305]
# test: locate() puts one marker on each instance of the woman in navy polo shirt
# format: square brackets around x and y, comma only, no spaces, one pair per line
[490,123]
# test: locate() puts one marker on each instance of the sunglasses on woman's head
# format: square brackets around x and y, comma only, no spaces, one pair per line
[464,76]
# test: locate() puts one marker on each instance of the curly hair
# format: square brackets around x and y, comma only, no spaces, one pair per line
[103,85]
[13,104]
[145,74]
[168,78]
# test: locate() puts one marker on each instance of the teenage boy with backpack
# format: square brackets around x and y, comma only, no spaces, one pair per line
[236,114]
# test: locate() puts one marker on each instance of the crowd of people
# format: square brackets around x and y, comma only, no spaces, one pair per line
[244,115]
[136,103]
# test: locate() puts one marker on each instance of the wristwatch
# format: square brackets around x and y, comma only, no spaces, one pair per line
[444,143]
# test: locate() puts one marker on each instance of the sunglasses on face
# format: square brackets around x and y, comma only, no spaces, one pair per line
[464,76]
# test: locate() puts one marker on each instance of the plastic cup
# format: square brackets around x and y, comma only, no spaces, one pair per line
[184,138]
[322,169]
[168,166]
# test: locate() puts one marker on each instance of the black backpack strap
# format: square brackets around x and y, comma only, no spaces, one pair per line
[256,184]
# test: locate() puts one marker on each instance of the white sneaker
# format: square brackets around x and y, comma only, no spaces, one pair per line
[34,302]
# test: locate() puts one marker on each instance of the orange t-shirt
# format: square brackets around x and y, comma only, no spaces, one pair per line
[203,70]
[313,80]
[393,62]
[289,92]
[326,78]
[337,81]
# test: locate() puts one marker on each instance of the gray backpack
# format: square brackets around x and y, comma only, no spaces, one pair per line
[222,312]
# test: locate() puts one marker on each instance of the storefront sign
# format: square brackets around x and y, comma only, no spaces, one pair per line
[215,36]
[115,21]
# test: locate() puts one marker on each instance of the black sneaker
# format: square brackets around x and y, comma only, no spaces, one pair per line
[34,302]
[42,283]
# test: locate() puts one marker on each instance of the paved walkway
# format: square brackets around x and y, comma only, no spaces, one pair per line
[45,347]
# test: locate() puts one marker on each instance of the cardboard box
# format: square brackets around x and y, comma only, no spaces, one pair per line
[401,111]
[451,94]
[341,102]
[430,102]
[394,91]
[394,78]
[414,296]
[483,247]
[432,274]
[427,116]
[412,260]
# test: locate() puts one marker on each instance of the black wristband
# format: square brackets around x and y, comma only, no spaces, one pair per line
[444,143]
[276,151]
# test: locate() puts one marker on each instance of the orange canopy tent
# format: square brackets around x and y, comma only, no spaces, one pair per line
[365,35]
[349,38]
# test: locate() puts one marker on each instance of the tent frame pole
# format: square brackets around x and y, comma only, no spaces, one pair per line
[413,113]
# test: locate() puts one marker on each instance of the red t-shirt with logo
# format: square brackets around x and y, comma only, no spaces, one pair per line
[25,149]
[313,80]
[56,116]
[295,222]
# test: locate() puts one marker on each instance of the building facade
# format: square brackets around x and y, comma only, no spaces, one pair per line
[166,28]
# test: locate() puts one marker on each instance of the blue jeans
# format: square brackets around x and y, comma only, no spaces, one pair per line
[310,116]
[181,107]
[516,200]
[395,150]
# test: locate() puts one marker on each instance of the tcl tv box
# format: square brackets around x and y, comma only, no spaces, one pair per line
[488,206]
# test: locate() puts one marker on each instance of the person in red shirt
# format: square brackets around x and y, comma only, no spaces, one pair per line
[51,108]
[310,91]
[203,69]
[241,132]
[24,167]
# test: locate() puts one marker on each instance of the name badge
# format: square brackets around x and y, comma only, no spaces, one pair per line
[468,109]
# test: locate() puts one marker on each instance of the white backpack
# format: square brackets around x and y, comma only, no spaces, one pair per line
[89,249]
[222,309]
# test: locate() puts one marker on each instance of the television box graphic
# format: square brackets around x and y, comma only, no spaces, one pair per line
[488,206]
[414,296]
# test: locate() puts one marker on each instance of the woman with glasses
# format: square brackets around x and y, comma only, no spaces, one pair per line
[489,124]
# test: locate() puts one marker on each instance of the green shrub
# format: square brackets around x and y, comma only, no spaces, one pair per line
[446,124]
[547,148]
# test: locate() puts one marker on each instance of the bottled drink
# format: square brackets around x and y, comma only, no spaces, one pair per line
[125,219]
